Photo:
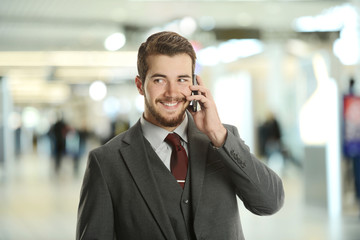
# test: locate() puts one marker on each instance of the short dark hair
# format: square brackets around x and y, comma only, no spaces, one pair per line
[164,43]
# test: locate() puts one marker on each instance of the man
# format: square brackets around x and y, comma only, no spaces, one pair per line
[129,191]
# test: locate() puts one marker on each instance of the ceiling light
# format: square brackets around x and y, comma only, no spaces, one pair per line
[187,26]
[229,51]
[234,49]
[115,41]
[97,90]
[332,19]
[30,117]
[208,56]
[346,48]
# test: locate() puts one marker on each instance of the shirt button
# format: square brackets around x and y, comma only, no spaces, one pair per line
[186,201]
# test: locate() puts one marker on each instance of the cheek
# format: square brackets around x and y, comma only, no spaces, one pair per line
[186,91]
[151,92]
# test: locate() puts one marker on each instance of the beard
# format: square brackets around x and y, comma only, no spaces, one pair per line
[164,121]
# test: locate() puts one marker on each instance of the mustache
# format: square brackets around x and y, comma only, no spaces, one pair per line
[171,99]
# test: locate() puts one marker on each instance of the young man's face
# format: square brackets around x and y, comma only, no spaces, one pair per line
[165,89]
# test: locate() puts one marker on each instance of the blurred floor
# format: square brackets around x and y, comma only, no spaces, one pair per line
[35,205]
[299,221]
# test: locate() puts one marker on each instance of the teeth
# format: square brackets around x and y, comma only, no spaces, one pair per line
[170,104]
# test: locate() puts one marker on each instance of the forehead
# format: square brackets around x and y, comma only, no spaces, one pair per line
[180,62]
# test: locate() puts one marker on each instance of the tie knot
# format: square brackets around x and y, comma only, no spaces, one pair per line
[173,139]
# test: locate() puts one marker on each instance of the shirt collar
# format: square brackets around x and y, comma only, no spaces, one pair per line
[156,135]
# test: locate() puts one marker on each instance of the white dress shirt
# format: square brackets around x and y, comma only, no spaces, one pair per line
[156,136]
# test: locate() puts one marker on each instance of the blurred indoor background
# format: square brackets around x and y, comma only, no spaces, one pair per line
[286,73]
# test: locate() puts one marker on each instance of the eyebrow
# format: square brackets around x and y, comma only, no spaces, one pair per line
[184,76]
[157,75]
[164,76]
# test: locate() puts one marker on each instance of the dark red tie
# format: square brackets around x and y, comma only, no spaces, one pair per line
[179,159]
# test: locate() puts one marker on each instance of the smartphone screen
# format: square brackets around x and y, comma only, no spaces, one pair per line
[194,103]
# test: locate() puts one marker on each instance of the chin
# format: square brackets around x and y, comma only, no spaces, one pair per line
[171,121]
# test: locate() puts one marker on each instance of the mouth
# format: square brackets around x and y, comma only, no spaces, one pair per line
[171,104]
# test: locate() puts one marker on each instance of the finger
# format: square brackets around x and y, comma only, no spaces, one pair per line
[204,90]
[200,88]
[204,101]
[198,97]
[199,80]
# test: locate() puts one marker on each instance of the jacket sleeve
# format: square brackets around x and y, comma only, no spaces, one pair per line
[259,188]
[95,214]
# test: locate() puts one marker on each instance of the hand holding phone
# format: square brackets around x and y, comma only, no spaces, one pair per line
[205,114]
[194,103]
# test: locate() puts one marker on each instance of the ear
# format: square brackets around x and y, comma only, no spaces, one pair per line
[139,85]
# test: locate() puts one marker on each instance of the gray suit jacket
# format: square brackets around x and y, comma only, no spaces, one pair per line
[120,199]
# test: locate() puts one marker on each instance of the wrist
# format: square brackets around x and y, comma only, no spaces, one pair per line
[218,137]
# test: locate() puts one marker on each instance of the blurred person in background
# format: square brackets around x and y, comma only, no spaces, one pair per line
[270,136]
[351,140]
[273,142]
[176,173]
[57,134]
[75,146]
[271,146]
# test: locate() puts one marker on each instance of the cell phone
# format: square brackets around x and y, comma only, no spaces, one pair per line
[194,103]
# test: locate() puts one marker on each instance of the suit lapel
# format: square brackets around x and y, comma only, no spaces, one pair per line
[198,149]
[134,154]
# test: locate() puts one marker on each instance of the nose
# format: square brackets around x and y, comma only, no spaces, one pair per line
[171,89]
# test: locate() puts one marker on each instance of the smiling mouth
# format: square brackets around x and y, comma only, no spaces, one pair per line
[172,104]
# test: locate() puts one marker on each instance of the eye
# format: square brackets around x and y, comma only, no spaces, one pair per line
[158,80]
[182,80]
